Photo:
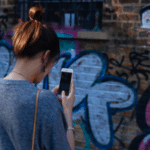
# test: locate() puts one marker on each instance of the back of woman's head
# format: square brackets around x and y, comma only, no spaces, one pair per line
[33,36]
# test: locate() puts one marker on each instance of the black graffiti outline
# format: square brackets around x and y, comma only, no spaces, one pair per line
[140,119]
[4,19]
[140,58]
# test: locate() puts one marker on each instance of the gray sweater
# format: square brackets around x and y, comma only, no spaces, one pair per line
[17,106]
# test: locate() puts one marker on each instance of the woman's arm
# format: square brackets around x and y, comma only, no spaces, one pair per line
[70,135]
[67,103]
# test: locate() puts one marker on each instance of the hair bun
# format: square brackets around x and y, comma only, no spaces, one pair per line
[36,13]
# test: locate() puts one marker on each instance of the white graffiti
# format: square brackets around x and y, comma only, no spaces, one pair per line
[103,94]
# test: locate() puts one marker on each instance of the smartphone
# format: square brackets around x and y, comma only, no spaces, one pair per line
[65,81]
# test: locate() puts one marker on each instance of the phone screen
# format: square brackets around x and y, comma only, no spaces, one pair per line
[65,82]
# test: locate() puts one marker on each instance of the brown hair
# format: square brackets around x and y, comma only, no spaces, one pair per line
[33,36]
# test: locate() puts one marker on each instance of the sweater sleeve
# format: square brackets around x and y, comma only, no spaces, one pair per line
[55,128]
[59,134]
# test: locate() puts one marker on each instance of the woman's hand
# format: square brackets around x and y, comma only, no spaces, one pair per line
[68,101]
[55,91]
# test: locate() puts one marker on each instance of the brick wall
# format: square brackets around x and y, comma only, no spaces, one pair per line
[128,45]
[7,11]
[126,57]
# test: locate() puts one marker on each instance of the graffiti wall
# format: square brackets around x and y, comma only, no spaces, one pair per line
[98,95]
[137,72]
[102,96]
[112,79]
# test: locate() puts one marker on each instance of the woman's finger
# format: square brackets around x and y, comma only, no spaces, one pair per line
[63,95]
[72,86]
[55,89]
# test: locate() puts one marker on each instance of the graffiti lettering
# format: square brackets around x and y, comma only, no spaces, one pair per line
[94,93]
[140,67]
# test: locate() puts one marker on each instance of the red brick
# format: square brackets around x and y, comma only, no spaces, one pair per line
[126,59]
[131,33]
[106,16]
[112,24]
[80,144]
[108,1]
[139,96]
[142,67]
[132,137]
[112,72]
[89,46]
[10,2]
[125,114]
[141,50]
[142,76]
[123,137]
[149,76]
[143,34]
[131,130]
[112,56]
[78,129]
[142,42]
[126,145]
[127,122]
[128,17]
[134,123]
[115,145]
[144,84]
[127,25]
[123,55]
[79,136]
[116,119]
[92,146]
[127,65]
[137,25]
[112,149]
[139,131]
[114,17]
[141,91]
[128,1]
[117,9]
[128,8]
[115,1]
[4,2]
[127,50]
[120,33]
[145,1]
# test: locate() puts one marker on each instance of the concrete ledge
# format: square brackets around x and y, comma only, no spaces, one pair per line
[98,35]
[7,6]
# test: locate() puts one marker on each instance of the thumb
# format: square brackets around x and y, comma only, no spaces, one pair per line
[63,94]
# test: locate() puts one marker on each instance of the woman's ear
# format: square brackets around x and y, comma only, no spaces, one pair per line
[46,56]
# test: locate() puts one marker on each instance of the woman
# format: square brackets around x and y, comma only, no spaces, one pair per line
[37,49]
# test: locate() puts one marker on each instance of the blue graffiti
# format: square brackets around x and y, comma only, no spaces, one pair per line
[4,43]
[65,45]
[9,48]
[98,95]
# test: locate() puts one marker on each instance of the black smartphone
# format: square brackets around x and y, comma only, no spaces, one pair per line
[65,81]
